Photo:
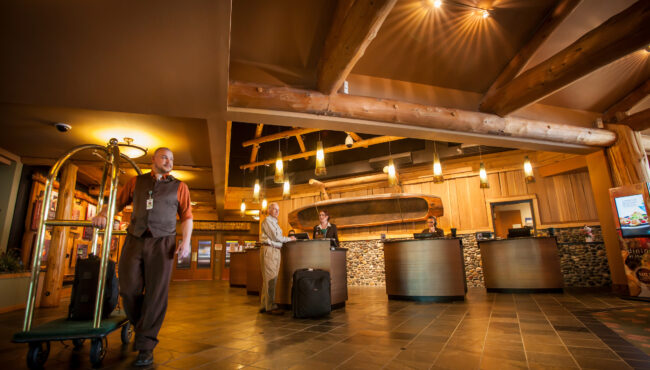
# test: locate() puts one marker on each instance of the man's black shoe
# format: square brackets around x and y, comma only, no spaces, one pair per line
[262,310]
[145,358]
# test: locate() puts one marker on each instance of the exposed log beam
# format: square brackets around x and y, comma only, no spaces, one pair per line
[645,142]
[258,133]
[350,181]
[620,35]
[354,136]
[301,143]
[552,20]
[355,27]
[332,149]
[399,112]
[564,166]
[619,110]
[279,136]
[638,121]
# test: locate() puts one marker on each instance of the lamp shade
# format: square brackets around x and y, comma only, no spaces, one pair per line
[242,207]
[256,191]
[437,169]
[528,170]
[286,190]
[392,175]
[320,160]
[483,177]
[279,170]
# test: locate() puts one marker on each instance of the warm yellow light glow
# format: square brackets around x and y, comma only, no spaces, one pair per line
[286,190]
[320,160]
[528,170]
[264,204]
[279,169]
[183,175]
[256,191]
[121,131]
[392,178]
[437,3]
[485,14]
[483,177]
[437,169]
[242,207]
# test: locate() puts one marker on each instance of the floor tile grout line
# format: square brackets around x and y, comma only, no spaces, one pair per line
[558,334]
[449,339]
[521,334]
[487,330]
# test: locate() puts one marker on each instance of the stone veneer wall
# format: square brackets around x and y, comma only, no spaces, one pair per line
[583,264]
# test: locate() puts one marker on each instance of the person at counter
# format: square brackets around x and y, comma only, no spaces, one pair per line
[270,255]
[325,229]
[432,228]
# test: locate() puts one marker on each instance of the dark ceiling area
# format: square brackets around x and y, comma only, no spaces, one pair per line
[352,162]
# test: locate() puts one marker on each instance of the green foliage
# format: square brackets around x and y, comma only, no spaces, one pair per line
[9,262]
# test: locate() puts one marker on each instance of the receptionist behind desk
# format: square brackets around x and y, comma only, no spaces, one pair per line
[432,227]
[325,229]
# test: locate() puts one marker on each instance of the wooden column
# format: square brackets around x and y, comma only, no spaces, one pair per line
[627,158]
[601,181]
[58,245]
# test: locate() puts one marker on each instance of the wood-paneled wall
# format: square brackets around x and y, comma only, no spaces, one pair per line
[564,199]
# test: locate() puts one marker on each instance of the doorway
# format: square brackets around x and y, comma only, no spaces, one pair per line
[512,215]
[199,264]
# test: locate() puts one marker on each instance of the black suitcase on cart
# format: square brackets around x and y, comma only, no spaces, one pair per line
[84,290]
[310,293]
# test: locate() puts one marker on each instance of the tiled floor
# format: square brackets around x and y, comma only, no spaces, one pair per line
[213,326]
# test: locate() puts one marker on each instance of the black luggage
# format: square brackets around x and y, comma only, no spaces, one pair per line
[84,290]
[310,293]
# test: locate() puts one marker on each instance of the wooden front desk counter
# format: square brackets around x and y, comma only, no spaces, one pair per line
[425,269]
[253,271]
[314,254]
[521,265]
[238,269]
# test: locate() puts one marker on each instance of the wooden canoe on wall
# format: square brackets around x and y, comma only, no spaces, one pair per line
[370,210]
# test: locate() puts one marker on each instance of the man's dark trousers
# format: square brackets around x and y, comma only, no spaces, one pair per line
[145,269]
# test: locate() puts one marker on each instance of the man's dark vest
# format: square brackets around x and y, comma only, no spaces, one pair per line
[161,220]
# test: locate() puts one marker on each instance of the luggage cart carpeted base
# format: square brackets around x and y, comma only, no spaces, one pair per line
[39,337]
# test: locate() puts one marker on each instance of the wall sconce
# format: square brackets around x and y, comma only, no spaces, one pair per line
[320,160]
[528,170]
[286,190]
[256,191]
[279,171]
[437,169]
[483,177]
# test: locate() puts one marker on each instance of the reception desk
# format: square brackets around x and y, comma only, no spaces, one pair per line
[425,269]
[314,254]
[253,271]
[238,269]
[521,265]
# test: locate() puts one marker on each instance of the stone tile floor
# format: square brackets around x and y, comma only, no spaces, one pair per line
[212,326]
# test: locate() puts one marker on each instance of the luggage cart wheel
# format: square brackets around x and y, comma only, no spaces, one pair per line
[97,350]
[127,333]
[37,355]
[78,343]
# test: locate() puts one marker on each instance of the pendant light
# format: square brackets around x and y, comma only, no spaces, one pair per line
[242,208]
[256,191]
[320,158]
[392,173]
[286,190]
[437,169]
[482,174]
[279,171]
[528,170]
[264,205]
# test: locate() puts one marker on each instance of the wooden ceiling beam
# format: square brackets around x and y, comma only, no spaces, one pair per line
[301,143]
[354,136]
[284,99]
[354,27]
[638,121]
[552,20]
[279,136]
[258,133]
[332,149]
[558,168]
[619,110]
[619,36]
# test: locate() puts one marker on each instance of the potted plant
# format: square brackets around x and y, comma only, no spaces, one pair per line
[14,283]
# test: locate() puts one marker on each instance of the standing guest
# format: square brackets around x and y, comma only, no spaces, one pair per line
[325,229]
[272,240]
[148,254]
[432,227]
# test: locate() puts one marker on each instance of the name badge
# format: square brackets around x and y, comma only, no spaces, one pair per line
[150,201]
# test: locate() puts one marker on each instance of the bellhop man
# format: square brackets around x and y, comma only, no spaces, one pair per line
[147,257]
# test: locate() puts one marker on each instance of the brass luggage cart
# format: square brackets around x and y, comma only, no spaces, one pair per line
[96,330]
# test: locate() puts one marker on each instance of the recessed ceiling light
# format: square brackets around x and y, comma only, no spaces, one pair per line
[62,127]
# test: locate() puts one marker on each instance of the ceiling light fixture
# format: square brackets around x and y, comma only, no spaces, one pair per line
[256,191]
[482,174]
[528,170]
[265,203]
[286,190]
[320,160]
[131,150]
[242,207]
[279,171]
[349,141]
[437,3]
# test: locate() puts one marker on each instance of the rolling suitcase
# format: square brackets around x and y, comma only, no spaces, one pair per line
[310,293]
[84,290]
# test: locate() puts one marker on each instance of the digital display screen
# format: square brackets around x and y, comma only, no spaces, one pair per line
[633,216]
